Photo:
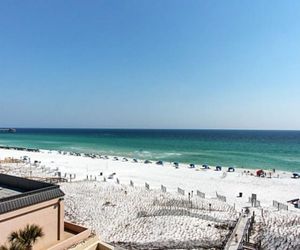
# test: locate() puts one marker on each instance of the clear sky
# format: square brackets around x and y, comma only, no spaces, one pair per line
[150,64]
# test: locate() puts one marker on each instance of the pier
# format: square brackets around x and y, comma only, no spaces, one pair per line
[8,130]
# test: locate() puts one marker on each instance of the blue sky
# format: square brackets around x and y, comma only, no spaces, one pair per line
[150,64]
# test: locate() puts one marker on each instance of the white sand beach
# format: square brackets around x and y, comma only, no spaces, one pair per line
[281,187]
[133,216]
[142,219]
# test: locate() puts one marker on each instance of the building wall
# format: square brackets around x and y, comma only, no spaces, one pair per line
[49,215]
[80,234]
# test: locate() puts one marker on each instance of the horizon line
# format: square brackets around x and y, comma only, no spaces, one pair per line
[115,128]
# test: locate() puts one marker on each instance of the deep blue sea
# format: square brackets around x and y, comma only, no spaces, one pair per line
[240,148]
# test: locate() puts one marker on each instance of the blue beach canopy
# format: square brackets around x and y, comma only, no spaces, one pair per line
[218,168]
[296,175]
[231,169]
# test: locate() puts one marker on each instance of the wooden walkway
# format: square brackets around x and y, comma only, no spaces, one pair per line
[235,243]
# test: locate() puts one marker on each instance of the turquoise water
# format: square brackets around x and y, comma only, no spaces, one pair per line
[240,148]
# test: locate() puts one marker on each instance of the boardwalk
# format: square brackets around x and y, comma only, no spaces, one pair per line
[239,229]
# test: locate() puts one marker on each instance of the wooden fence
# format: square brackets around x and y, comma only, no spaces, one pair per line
[180,191]
[200,194]
[280,206]
[221,197]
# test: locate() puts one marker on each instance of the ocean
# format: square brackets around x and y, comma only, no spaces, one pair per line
[239,148]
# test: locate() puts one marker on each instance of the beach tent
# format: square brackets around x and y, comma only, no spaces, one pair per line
[205,166]
[192,165]
[296,175]
[218,168]
[231,169]
[176,164]
[260,173]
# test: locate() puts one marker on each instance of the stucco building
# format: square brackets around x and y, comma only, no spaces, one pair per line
[24,201]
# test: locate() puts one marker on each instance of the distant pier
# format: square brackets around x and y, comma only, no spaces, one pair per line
[8,130]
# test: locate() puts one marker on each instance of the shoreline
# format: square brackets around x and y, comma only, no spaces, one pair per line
[97,155]
[208,181]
